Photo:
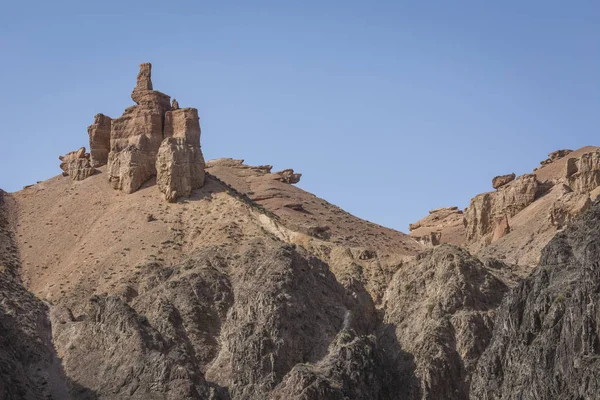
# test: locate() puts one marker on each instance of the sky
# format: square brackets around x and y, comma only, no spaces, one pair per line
[387,108]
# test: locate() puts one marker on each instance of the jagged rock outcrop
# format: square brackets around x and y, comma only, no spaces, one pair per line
[507,200]
[582,174]
[137,135]
[77,165]
[99,133]
[288,176]
[502,180]
[546,343]
[442,225]
[555,155]
[180,168]
[440,310]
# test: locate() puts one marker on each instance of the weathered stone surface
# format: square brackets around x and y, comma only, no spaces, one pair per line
[287,176]
[507,200]
[502,180]
[442,225]
[501,227]
[99,133]
[137,135]
[180,168]
[144,81]
[183,123]
[76,164]
[439,309]
[568,207]
[174,105]
[582,174]
[545,342]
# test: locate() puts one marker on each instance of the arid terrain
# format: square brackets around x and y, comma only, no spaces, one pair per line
[144,272]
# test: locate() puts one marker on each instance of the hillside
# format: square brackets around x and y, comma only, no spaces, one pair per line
[145,272]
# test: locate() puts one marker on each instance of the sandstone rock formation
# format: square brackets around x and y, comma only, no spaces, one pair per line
[555,155]
[288,176]
[568,207]
[99,133]
[180,168]
[77,165]
[582,174]
[501,227]
[502,180]
[442,225]
[507,200]
[130,144]
[545,342]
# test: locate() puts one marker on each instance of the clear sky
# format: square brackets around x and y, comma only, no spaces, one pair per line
[388,109]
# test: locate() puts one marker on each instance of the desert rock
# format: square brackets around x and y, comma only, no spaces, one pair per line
[77,165]
[582,174]
[288,176]
[99,133]
[180,168]
[502,180]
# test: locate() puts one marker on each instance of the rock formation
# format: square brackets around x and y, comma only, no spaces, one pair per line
[555,155]
[99,133]
[129,145]
[502,180]
[442,225]
[582,174]
[508,200]
[501,227]
[288,176]
[77,165]
[545,343]
[180,168]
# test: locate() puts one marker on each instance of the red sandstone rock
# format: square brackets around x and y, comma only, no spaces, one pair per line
[99,133]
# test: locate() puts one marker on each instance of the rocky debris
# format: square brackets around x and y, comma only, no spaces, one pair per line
[77,165]
[99,133]
[180,168]
[442,225]
[294,206]
[568,207]
[501,227]
[287,176]
[502,180]
[582,174]
[555,155]
[545,343]
[507,200]
[439,308]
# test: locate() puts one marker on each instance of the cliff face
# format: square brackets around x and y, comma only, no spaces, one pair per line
[546,341]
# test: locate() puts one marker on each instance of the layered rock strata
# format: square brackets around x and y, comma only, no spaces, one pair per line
[99,133]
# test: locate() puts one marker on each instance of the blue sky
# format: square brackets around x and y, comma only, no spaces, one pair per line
[388,109]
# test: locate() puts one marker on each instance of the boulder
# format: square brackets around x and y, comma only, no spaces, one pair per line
[180,168]
[287,176]
[555,155]
[502,180]
[99,133]
[76,164]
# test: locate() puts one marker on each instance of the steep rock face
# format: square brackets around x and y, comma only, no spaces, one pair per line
[507,200]
[180,168]
[546,340]
[77,165]
[137,135]
[582,174]
[442,225]
[440,309]
[99,133]
[179,163]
